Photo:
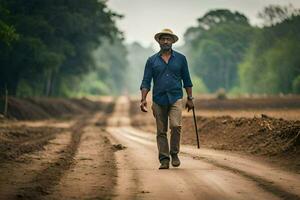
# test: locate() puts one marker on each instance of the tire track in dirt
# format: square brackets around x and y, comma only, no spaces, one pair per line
[17,173]
[265,184]
[128,182]
[193,180]
[34,173]
[16,141]
[44,181]
[126,177]
[85,170]
[93,174]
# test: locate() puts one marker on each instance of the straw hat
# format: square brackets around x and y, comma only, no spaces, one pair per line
[166,31]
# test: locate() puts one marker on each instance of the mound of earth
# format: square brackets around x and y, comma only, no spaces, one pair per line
[44,108]
[265,135]
[248,103]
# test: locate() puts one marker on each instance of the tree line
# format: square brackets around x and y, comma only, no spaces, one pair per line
[226,51]
[73,47]
[49,47]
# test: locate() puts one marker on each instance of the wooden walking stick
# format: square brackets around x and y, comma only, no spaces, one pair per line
[195,122]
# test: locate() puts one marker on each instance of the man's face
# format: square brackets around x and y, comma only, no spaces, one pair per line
[165,42]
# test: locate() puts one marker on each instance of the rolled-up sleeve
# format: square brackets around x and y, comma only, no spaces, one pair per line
[146,82]
[186,74]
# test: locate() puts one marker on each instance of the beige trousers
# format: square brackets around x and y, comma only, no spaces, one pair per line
[163,115]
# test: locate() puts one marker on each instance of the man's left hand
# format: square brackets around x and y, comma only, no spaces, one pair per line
[189,105]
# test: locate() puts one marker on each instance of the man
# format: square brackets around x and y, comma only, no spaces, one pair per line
[168,69]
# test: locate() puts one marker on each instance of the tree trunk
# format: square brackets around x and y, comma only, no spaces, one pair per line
[12,88]
[48,88]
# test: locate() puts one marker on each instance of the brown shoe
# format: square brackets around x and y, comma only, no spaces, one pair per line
[164,165]
[175,160]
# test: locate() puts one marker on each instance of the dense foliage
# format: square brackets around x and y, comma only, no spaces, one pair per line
[137,56]
[272,63]
[225,51]
[109,74]
[46,46]
[73,47]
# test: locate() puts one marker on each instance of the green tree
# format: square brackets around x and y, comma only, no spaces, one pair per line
[7,32]
[216,46]
[55,44]
[272,63]
[137,56]
[296,85]
[274,14]
[109,74]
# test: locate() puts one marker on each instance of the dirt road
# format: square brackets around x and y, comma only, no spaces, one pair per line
[76,162]
[100,156]
[204,174]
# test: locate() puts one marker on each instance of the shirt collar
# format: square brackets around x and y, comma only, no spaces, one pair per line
[172,53]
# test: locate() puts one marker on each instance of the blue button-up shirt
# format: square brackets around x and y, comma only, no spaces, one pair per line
[167,77]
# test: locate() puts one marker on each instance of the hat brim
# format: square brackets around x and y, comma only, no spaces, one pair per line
[157,36]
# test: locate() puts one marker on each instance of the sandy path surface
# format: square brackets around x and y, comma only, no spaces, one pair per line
[204,174]
[77,163]
[75,159]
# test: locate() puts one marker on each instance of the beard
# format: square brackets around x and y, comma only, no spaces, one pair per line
[166,47]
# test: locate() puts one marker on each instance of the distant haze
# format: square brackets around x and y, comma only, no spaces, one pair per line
[143,18]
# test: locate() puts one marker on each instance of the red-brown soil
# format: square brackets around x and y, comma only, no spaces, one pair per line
[45,108]
[56,158]
[59,149]
[277,139]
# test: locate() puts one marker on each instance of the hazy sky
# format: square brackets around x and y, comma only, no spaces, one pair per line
[143,18]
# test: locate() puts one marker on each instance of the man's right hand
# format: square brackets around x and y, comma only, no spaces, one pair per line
[189,105]
[143,105]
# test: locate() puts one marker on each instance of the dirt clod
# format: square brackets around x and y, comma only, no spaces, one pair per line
[118,147]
